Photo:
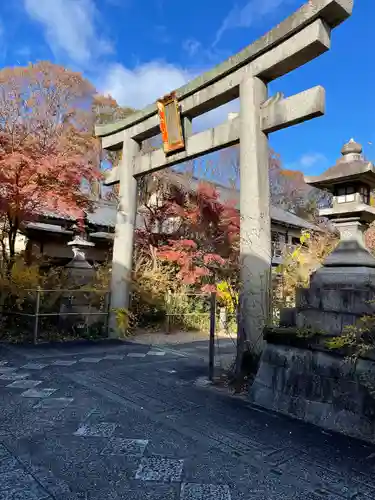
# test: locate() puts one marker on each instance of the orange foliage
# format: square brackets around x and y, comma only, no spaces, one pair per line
[47,147]
[205,242]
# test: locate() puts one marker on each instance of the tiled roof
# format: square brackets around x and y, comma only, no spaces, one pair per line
[342,171]
[104,214]
[229,194]
[44,226]
[102,235]
[289,219]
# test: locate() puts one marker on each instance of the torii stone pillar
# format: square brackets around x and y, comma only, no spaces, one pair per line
[255,223]
[302,37]
[122,258]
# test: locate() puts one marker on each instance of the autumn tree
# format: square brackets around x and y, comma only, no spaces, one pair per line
[106,110]
[191,228]
[287,187]
[47,146]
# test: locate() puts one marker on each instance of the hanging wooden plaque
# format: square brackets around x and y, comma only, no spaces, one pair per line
[170,124]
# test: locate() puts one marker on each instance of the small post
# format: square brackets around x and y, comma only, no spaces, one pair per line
[168,299]
[211,352]
[36,321]
[223,319]
[240,341]
[107,310]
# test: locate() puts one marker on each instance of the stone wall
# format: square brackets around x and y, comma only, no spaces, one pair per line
[318,387]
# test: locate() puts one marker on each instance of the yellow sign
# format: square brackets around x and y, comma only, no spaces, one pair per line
[170,124]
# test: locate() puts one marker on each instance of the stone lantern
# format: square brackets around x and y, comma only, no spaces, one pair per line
[76,301]
[350,181]
[78,268]
[343,288]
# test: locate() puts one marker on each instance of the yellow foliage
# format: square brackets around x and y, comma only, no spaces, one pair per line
[340,342]
[359,337]
[227,296]
[305,236]
[300,262]
[18,285]
[21,276]
[22,281]
[124,320]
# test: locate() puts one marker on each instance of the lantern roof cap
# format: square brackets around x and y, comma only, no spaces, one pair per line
[350,167]
[351,147]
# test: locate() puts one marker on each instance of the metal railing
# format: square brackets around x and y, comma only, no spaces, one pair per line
[43,315]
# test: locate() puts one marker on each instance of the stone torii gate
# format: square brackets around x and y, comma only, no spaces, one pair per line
[303,36]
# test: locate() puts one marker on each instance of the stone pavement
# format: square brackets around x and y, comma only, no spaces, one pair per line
[128,422]
[225,350]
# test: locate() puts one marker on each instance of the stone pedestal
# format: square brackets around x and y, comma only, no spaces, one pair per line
[329,310]
[298,375]
[223,319]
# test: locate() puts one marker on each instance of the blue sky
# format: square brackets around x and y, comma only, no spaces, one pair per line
[139,50]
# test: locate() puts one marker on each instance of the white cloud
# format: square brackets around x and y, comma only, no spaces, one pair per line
[244,17]
[203,55]
[191,46]
[146,83]
[70,28]
[216,116]
[310,161]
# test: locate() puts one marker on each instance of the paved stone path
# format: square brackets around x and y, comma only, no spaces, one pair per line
[128,422]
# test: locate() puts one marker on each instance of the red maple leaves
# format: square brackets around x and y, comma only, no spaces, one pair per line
[47,148]
[202,242]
